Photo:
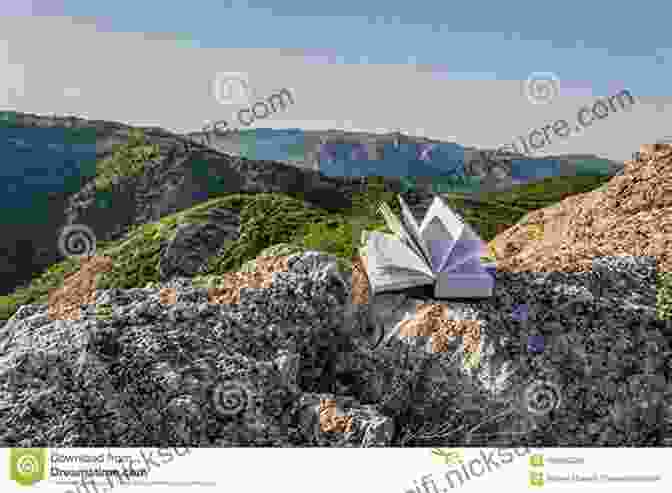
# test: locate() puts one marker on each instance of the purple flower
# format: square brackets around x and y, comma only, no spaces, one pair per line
[520,313]
[535,344]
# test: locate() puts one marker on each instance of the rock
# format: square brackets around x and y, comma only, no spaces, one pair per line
[78,289]
[193,244]
[182,372]
[368,427]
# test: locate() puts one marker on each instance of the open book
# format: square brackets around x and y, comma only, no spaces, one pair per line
[443,251]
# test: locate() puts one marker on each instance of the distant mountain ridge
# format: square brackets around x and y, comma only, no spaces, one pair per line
[339,153]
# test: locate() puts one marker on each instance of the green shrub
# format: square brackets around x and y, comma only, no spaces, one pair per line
[664,296]
[365,204]
[8,307]
[265,221]
[127,160]
[331,236]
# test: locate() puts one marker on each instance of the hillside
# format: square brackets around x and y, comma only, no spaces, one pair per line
[113,176]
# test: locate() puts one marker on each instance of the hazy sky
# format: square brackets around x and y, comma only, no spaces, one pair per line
[439,69]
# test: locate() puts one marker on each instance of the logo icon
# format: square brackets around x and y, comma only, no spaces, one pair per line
[223,87]
[537,460]
[542,398]
[77,241]
[27,466]
[231,398]
[542,87]
[450,456]
[536,478]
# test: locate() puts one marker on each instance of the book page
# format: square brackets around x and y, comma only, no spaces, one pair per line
[468,247]
[472,265]
[450,220]
[384,282]
[414,232]
[451,223]
[439,241]
[467,242]
[385,272]
[399,228]
[390,254]
[391,220]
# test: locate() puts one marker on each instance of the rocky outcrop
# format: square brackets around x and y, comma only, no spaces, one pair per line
[631,215]
[191,371]
[196,366]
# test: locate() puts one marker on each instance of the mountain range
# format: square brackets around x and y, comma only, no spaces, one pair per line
[339,153]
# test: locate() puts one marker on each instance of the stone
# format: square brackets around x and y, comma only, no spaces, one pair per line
[193,244]
[328,419]
[78,289]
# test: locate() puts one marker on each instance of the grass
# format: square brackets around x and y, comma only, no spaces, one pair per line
[127,159]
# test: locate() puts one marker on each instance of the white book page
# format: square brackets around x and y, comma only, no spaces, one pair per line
[391,220]
[451,222]
[467,243]
[439,209]
[439,241]
[414,231]
[386,276]
[398,228]
[390,254]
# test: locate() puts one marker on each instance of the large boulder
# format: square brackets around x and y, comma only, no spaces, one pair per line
[192,244]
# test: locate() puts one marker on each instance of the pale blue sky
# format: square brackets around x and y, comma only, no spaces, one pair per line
[449,70]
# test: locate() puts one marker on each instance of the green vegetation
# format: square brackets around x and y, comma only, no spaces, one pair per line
[127,159]
[278,224]
[664,296]
[266,220]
